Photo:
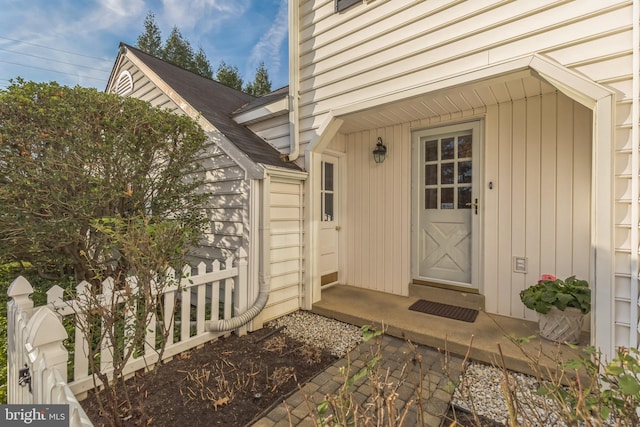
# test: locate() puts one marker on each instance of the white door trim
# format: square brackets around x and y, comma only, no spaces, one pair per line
[477,222]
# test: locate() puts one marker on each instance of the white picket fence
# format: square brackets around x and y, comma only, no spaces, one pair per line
[36,334]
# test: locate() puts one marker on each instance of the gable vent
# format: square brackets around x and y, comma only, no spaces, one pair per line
[124,84]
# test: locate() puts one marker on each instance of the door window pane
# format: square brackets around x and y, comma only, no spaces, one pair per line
[431,198]
[328,176]
[446,173]
[464,197]
[448,148]
[446,195]
[448,169]
[464,172]
[327,208]
[464,146]
[327,192]
[431,174]
[431,151]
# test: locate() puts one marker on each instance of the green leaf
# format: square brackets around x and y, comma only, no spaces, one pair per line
[323,407]
[629,385]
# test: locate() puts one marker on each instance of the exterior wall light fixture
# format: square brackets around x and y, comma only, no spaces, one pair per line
[380,152]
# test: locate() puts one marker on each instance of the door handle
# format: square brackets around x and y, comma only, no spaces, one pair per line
[475,205]
[338,228]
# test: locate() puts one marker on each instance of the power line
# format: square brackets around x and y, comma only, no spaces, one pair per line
[54,60]
[53,71]
[53,48]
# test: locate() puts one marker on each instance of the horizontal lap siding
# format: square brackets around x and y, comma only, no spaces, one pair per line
[369,50]
[227,205]
[274,130]
[381,47]
[286,237]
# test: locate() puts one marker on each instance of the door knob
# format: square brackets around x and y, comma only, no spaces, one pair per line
[475,205]
[338,228]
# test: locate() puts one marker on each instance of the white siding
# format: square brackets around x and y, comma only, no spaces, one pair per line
[285,216]
[378,211]
[383,47]
[274,130]
[225,182]
[539,207]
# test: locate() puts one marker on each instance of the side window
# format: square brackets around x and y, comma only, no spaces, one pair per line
[343,4]
[327,192]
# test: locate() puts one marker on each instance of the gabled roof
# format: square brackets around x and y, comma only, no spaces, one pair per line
[216,103]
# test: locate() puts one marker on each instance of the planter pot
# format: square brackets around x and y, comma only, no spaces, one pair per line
[561,326]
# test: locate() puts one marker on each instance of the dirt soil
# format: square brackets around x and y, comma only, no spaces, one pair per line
[228,382]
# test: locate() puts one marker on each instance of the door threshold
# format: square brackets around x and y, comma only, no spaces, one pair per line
[445,286]
[446,294]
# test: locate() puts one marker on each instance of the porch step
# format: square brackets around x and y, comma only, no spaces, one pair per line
[447,296]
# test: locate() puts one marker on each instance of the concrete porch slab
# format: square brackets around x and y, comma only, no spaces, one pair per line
[484,338]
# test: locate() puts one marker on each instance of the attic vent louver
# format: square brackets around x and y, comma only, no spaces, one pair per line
[125,83]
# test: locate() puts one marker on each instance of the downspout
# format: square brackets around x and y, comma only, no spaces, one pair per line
[294,82]
[635,185]
[259,214]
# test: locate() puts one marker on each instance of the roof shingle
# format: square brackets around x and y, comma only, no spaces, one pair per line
[216,102]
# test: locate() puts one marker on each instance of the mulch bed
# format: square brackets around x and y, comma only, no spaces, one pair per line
[228,382]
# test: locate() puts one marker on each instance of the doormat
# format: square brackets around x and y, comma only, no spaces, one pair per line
[445,310]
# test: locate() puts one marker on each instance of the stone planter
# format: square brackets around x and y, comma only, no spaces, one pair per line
[561,326]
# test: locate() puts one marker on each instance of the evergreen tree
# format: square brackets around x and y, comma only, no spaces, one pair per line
[177,50]
[229,75]
[150,41]
[201,65]
[261,84]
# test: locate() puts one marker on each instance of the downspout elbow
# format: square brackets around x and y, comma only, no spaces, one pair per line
[225,325]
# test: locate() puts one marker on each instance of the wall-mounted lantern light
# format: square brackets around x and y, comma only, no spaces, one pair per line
[380,152]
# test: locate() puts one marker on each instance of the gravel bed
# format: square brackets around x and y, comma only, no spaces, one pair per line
[481,388]
[329,334]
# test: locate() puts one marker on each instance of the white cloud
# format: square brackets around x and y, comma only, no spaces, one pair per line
[267,49]
[203,14]
[122,8]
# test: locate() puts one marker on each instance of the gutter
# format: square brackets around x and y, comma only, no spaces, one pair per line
[294,83]
[635,185]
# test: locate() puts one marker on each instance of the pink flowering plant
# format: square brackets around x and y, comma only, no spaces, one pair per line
[553,292]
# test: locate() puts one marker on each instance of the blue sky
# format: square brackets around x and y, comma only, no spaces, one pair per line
[75,42]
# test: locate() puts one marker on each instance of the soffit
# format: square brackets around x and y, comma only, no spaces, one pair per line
[472,98]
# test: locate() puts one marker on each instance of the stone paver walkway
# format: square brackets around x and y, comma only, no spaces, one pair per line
[404,368]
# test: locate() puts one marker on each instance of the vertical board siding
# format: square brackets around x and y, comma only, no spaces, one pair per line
[519,199]
[378,211]
[539,208]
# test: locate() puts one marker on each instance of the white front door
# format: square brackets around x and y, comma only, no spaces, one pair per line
[446,207]
[329,238]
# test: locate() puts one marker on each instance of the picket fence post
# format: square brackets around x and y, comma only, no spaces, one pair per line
[45,335]
[19,308]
